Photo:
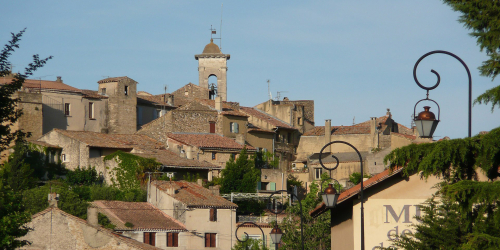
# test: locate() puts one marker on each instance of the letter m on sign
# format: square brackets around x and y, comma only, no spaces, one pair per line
[405,211]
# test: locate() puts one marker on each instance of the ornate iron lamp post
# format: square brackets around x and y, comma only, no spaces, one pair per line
[331,196]
[426,121]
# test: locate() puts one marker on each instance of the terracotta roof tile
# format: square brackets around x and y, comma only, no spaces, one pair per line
[256,113]
[115,79]
[92,94]
[171,159]
[411,137]
[338,130]
[151,100]
[208,141]
[142,215]
[44,144]
[42,84]
[193,195]
[351,192]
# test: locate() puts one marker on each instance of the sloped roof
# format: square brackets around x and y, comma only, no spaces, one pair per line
[343,157]
[171,159]
[152,100]
[193,195]
[42,84]
[92,94]
[142,215]
[266,117]
[120,141]
[125,240]
[338,130]
[351,192]
[208,141]
[115,79]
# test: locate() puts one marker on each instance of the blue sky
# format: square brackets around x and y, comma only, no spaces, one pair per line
[353,58]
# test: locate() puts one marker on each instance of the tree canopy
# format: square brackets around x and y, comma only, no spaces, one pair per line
[481,16]
[240,175]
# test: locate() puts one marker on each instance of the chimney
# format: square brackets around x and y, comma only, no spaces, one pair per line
[388,114]
[199,182]
[328,134]
[170,100]
[218,103]
[59,79]
[373,125]
[240,139]
[92,216]
[215,189]
[189,152]
[53,198]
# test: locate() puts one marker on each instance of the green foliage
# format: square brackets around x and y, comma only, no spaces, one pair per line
[265,159]
[131,169]
[8,110]
[453,160]
[317,231]
[355,177]
[481,16]
[251,207]
[82,176]
[191,177]
[240,175]
[249,244]
[128,224]
[13,219]
[104,221]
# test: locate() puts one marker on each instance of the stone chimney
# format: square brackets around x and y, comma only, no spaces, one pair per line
[215,189]
[328,134]
[189,152]
[53,199]
[373,125]
[59,79]
[218,103]
[170,100]
[199,182]
[92,216]
[240,139]
[388,114]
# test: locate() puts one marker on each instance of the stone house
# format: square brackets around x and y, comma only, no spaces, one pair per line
[84,148]
[209,218]
[299,114]
[285,137]
[58,230]
[147,223]
[209,147]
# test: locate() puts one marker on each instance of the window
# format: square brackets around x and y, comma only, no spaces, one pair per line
[214,156]
[126,90]
[172,239]
[234,127]
[103,91]
[63,157]
[67,109]
[212,127]
[289,138]
[299,120]
[91,110]
[213,214]
[317,173]
[210,240]
[149,238]
[233,155]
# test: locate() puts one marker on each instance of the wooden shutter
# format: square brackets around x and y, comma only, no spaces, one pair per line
[176,239]
[146,238]
[215,214]
[212,214]
[212,127]
[152,240]
[207,240]
[212,240]
[170,240]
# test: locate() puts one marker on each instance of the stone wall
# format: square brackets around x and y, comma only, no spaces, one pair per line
[32,118]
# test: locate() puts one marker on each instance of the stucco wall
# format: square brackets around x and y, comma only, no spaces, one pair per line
[312,144]
[261,140]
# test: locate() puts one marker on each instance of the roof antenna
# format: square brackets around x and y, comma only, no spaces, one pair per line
[353,120]
[269,89]
[220,28]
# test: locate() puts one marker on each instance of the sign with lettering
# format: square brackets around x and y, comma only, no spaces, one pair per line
[385,218]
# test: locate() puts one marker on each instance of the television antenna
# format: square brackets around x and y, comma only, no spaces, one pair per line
[269,89]
[278,95]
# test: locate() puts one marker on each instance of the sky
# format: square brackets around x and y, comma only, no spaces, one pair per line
[355,59]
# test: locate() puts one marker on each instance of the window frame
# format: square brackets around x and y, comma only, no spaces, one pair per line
[150,238]
[126,90]
[174,239]
[210,240]
[91,111]
[214,156]
[316,177]
[67,109]
[213,214]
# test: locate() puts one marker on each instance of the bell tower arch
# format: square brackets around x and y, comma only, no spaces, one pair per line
[213,63]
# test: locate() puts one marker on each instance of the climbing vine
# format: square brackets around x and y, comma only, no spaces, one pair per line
[131,169]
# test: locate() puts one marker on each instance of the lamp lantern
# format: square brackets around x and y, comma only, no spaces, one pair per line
[276,234]
[330,196]
[426,123]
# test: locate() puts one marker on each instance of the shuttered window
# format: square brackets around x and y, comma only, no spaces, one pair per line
[172,239]
[213,214]
[150,238]
[210,240]
[212,127]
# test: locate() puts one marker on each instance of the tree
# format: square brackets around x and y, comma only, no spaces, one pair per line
[481,16]
[317,231]
[240,175]
[249,244]
[13,216]
[8,112]
[466,214]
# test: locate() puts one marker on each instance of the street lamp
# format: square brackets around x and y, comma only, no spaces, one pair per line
[246,234]
[276,232]
[333,199]
[330,196]
[426,121]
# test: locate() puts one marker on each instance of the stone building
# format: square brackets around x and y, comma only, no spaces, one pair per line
[212,63]
[147,223]
[209,218]
[55,229]
[84,148]
[299,114]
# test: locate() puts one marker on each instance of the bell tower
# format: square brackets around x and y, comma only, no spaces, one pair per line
[213,63]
